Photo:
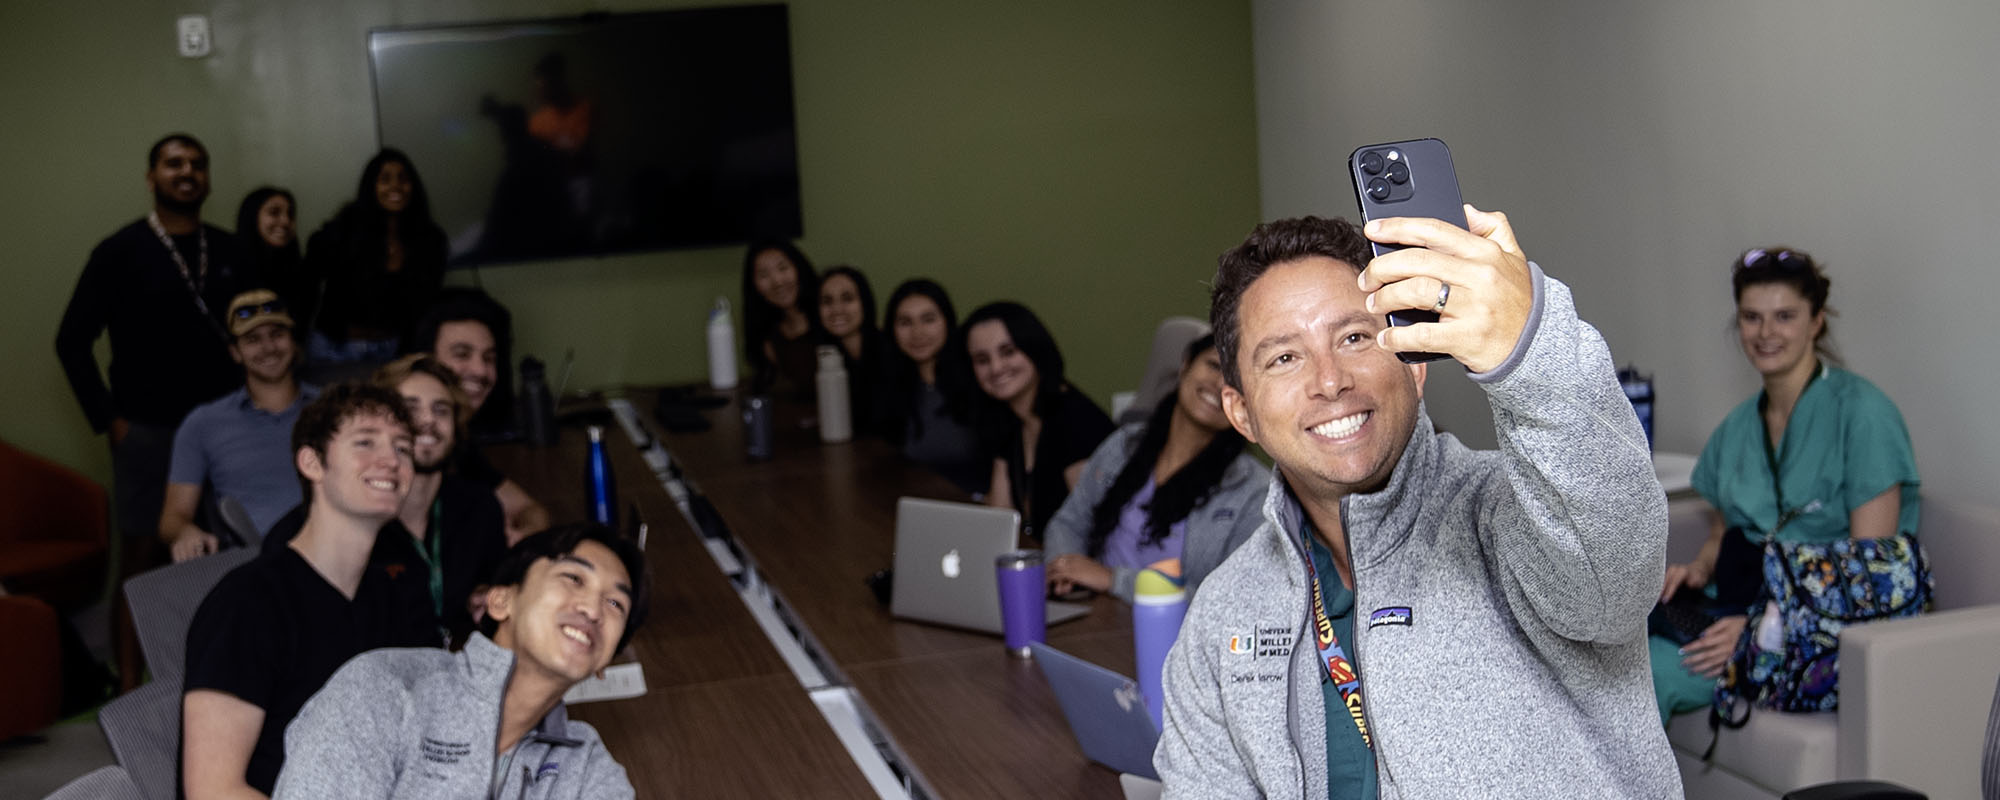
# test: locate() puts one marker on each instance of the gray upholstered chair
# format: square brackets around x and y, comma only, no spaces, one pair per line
[164,600]
[1163,365]
[144,731]
[103,783]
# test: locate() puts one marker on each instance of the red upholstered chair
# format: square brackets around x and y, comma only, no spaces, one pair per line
[30,666]
[55,530]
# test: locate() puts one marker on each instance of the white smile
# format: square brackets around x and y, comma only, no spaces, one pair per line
[382,484]
[576,634]
[1344,426]
[1210,398]
[427,440]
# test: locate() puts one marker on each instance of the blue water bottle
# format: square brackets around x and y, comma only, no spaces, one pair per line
[602,496]
[1159,601]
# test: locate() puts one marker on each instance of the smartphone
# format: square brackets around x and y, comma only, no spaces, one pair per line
[1407,179]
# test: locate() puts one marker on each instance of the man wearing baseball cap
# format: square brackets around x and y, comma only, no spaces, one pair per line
[240,445]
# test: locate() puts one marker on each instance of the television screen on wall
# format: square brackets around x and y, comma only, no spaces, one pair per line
[601,134]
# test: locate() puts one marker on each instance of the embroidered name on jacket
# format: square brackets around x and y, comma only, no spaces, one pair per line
[440,752]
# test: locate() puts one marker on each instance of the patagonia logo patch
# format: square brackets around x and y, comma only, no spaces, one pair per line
[1393,615]
[549,769]
[1225,514]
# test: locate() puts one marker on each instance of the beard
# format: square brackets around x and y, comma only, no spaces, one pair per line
[437,465]
[166,200]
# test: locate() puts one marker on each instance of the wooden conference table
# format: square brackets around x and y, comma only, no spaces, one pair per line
[723,714]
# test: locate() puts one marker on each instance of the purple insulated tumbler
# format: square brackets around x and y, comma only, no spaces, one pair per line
[1023,618]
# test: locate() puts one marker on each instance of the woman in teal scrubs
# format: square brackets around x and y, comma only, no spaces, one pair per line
[1818,456]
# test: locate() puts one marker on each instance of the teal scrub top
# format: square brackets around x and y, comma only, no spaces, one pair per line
[1350,765]
[1844,445]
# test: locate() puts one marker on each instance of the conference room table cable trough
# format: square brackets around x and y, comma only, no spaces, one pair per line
[873,752]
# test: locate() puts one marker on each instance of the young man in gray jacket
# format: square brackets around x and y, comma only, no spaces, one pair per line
[487,721]
[1416,619]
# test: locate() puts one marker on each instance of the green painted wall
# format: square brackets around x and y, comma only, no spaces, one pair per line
[1089,159]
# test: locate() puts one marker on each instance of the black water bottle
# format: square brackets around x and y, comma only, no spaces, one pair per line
[1639,389]
[538,409]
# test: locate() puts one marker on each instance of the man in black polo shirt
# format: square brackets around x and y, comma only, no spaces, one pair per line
[275,629]
[153,285]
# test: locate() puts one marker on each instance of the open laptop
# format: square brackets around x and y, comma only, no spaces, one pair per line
[944,564]
[1106,712]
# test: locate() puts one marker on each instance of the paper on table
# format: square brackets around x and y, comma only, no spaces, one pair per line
[620,681]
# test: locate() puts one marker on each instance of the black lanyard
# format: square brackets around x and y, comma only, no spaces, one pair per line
[1338,668]
[195,279]
[1771,450]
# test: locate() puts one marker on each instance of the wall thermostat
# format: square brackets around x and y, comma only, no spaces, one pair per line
[193,36]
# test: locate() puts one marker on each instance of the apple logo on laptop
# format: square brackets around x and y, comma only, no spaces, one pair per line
[950,564]
[1127,696]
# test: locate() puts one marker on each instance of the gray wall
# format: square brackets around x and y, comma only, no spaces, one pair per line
[1640,147]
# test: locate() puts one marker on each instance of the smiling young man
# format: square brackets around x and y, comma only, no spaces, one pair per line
[273,630]
[470,333]
[454,526]
[487,721]
[1417,619]
[154,286]
[240,445]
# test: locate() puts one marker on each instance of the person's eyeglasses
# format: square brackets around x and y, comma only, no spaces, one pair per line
[1755,256]
[266,307]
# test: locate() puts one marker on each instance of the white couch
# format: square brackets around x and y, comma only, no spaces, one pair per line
[1914,693]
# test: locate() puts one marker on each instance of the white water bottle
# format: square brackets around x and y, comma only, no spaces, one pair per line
[836,423]
[721,347]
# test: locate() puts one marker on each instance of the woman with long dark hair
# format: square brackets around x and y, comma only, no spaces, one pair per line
[924,401]
[1037,427]
[267,233]
[379,263]
[780,318]
[847,314]
[1175,486]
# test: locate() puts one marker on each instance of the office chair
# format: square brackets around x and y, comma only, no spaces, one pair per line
[144,731]
[163,602]
[103,783]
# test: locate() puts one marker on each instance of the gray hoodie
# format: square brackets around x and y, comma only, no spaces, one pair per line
[1214,530]
[1500,609]
[422,723]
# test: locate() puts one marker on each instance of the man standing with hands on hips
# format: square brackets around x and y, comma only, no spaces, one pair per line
[1417,619]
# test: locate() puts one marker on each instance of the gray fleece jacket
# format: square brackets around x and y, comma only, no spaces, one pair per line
[1500,609]
[1214,530]
[422,723]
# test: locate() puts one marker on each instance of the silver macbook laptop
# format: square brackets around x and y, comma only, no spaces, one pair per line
[1106,712]
[944,564]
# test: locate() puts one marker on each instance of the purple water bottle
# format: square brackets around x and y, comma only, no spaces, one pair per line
[1023,617]
[602,499]
[1159,602]
[758,428]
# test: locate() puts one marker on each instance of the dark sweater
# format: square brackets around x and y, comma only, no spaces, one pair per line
[165,358]
[361,295]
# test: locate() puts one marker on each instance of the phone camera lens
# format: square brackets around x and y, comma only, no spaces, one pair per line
[1371,162]
[1378,190]
[1399,172]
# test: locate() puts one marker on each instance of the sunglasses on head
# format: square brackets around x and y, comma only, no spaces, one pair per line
[1756,256]
[266,307]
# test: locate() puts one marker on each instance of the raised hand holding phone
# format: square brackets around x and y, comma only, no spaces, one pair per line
[1490,290]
